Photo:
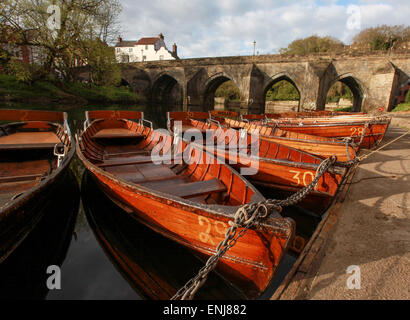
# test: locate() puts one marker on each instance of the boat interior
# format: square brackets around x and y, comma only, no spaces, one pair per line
[29,152]
[267,149]
[130,156]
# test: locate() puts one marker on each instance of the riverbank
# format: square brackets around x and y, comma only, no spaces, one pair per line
[62,93]
[370,230]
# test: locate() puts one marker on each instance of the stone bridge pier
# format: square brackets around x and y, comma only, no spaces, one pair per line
[190,85]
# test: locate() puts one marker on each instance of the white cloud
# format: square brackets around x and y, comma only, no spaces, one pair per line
[229,27]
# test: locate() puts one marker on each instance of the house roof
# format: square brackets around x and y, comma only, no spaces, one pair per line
[142,41]
[126,43]
[151,40]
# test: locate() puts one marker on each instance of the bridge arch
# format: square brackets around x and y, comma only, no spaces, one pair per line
[211,85]
[138,80]
[283,76]
[166,91]
[356,87]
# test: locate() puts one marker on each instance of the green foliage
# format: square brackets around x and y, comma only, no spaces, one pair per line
[21,91]
[407,97]
[382,37]
[282,91]
[339,91]
[104,69]
[312,44]
[19,69]
[102,94]
[229,91]
[345,109]
[5,57]
[402,107]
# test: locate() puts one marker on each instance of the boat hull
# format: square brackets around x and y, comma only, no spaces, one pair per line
[255,256]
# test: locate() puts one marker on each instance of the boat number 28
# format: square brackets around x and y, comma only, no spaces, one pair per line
[355,131]
[205,236]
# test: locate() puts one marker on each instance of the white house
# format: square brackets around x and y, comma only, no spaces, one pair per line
[145,49]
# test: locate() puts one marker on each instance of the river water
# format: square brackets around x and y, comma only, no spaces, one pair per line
[105,254]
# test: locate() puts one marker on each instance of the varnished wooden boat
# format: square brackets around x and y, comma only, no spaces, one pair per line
[342,127]
[130,246]
[35,153]
[309,114]
[277,166]
[187,201]
[321,146]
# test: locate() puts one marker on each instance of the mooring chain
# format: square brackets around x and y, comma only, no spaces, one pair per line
[246,217]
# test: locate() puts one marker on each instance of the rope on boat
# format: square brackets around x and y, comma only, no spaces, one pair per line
[245,217]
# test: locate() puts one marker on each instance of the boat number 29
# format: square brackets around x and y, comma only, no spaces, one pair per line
[205,236]
[302,179]
[356,131]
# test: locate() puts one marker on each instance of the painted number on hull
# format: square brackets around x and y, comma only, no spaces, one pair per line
[302,179]
[356,131]
[205,236]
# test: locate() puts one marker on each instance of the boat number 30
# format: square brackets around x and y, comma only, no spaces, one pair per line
[205,236]
[302,179]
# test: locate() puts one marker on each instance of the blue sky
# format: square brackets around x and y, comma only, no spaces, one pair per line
[204,28]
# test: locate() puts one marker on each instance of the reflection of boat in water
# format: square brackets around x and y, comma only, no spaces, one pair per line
[155,266]
[23,274]
[34,155]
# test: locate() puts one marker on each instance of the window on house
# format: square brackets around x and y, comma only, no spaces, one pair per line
[130,49]
[144,58]
[118,49]
[161,57]
[146,47]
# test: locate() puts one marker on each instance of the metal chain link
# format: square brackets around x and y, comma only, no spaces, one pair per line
[246,217]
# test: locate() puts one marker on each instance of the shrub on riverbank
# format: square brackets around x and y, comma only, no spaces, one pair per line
[402,107]
[104,94]
[57,92]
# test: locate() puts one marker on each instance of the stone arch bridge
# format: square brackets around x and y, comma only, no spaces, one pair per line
[374,79]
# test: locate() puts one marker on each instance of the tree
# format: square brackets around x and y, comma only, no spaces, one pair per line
[312,44]
[61,26]
[101,61]
[382,37]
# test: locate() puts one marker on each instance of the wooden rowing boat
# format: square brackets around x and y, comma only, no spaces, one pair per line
[320,146]
[185,200]
[277,166]
[364,130]
[35,153]
[130,245]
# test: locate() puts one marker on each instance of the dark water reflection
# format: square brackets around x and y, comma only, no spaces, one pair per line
[106,254]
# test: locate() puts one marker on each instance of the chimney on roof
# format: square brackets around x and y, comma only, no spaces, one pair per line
[161,36]
[119,39]
[174,49]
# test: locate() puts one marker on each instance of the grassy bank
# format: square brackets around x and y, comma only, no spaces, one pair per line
[402,107]
[47,92]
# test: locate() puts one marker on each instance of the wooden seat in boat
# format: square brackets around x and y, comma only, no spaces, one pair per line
[29,140]
[189,189]
[186,127]
[116,133]
[139,159]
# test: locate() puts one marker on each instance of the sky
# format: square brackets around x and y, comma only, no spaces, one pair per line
[210,28]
